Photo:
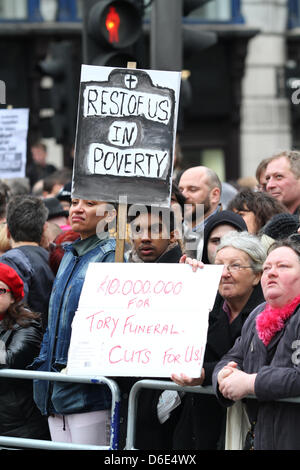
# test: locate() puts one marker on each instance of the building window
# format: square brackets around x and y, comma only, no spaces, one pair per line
[41,10]
[215,11]
[218,11]
[213,158]
[294,14]
[13,10]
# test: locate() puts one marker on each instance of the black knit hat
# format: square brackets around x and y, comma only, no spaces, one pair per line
[221,218]
[55,208]
[65,193]
[280,226]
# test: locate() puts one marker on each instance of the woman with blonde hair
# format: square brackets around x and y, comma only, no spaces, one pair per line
[4,240]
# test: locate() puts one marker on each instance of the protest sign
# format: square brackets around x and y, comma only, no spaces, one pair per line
[145,320]
[13,142]
[125,139]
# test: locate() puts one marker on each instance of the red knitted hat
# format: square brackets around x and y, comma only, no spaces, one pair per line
[9,276]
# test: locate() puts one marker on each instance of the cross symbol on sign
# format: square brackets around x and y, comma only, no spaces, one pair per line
[131,81]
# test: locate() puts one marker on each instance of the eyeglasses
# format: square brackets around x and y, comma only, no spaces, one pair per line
[234,267]
[3,290]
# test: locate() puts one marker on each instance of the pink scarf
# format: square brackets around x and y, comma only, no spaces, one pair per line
[271,320]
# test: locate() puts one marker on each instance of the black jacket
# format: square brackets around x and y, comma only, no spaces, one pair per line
[150,433]
[223,217]
[19,416]
[31,263]
[202,420]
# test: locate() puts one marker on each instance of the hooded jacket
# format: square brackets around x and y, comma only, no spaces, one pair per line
[223,217]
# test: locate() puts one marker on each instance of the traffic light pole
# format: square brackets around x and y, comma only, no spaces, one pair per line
[166,35]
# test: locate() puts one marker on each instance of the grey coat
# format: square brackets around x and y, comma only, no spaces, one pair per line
[278,376]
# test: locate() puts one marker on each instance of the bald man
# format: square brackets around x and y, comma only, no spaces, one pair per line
[202,188]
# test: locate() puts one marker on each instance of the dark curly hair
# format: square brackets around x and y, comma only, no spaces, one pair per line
[262,204]
[18,313]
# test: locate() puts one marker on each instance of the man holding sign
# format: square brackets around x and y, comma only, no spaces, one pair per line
[153,237]
[153,241]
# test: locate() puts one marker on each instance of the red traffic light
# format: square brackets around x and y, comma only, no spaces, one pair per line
[117,23]
[112,24]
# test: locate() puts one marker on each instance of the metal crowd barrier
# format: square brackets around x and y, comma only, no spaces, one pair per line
[14,442]
[156,385]
[165,385]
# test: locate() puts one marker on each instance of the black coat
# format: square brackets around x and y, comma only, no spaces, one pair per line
[19,416]
[202,420]
[150,433]
[32,265]
[278,376]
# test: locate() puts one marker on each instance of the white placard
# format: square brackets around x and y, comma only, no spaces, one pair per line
[13,142]
[146,320]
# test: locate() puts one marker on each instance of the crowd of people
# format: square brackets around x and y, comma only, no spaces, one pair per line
[47,240]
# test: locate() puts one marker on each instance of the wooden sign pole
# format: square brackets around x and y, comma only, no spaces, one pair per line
[122,215]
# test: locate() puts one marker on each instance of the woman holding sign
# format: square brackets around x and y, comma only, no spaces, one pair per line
[201,425]
[78,413]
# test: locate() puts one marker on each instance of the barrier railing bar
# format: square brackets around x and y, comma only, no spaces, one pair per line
[167,385]
[157,385]
[17,442]
[55,376]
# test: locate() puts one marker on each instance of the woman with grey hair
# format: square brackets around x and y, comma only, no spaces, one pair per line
[201,424]
[248,243]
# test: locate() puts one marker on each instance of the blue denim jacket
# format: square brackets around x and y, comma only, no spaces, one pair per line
[63,397]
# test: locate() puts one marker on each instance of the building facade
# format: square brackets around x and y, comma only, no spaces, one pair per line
[240,109]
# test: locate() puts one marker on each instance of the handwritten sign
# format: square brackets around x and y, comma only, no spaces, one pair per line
[125,136]
[13,141]
[144,320]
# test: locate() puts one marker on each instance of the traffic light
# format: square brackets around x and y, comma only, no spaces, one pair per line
[63,94]
[193,39]
[111,30]
[193,42]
